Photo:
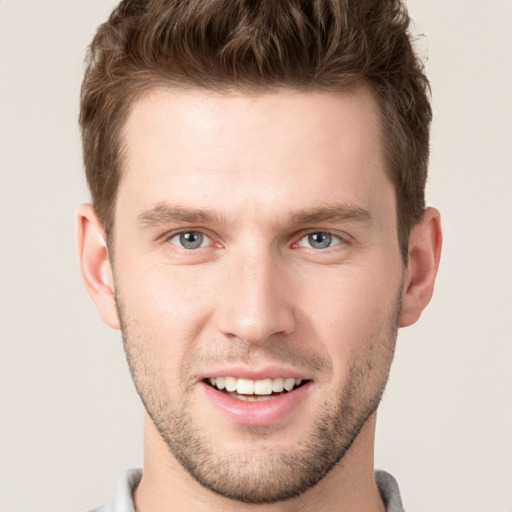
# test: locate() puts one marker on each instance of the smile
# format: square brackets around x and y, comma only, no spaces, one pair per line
[263,401]
[249,387]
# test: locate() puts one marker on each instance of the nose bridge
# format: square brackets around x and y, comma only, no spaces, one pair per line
[257,301]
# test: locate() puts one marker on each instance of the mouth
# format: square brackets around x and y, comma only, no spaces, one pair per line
[249,390]
[271,397]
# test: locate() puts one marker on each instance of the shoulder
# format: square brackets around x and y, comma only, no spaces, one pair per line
[388,488]
[121,499]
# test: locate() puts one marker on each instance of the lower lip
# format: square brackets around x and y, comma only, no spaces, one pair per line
[265,412]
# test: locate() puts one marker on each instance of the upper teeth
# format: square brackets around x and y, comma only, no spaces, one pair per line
[254,387]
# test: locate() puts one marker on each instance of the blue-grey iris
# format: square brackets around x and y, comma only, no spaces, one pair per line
[320,240]
[191,239]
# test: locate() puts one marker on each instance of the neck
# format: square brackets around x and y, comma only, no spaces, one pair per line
[349,486]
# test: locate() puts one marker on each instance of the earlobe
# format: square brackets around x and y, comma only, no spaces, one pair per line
[95,264]
[425,243]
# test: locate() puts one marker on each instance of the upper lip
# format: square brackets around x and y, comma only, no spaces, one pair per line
[243,372]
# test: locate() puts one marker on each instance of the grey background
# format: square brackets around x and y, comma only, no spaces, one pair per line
[70,421]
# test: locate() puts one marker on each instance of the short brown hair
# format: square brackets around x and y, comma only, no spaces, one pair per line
[258,45]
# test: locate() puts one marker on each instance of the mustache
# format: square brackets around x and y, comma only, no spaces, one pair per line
[273,351]
[276,350]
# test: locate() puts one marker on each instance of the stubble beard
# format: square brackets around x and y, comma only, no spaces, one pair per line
[270,475]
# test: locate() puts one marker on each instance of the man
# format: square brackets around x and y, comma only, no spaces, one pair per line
[258,232]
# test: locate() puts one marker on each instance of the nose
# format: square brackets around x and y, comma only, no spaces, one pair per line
[256,300]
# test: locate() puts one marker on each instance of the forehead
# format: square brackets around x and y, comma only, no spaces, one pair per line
[236,150]
[285,117]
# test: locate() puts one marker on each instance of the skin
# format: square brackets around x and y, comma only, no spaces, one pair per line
[269,170]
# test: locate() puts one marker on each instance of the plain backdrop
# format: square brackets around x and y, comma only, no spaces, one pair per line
[70,420]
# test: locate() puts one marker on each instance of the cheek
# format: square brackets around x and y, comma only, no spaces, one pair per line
[163,314]
[353,314]
[169,298]
[157,337]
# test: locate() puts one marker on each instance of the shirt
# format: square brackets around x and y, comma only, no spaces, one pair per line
[122,501]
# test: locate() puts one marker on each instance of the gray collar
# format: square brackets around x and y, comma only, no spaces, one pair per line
[122,501]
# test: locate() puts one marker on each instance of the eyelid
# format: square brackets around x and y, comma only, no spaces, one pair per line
[204,240]
[342,237]
[167,237]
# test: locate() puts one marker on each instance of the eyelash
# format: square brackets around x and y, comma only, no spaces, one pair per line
[190,231]
[334,237]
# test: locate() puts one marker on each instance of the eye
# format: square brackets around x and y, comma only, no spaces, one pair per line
[189,240]
[319,240]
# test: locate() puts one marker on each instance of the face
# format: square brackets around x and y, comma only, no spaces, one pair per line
[258,280]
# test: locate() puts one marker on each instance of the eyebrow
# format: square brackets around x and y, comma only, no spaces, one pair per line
[166,213]
[332,214]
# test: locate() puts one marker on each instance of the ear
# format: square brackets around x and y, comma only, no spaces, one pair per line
[425,244]
[95,264]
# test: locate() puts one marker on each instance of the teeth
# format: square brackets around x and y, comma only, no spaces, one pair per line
[263,387]
[289,384]
[230,383]
[245,387]
[220,382]
[254,387]
[278,385]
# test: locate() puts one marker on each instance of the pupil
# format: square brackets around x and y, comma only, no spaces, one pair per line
[320,240]
[191,240]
